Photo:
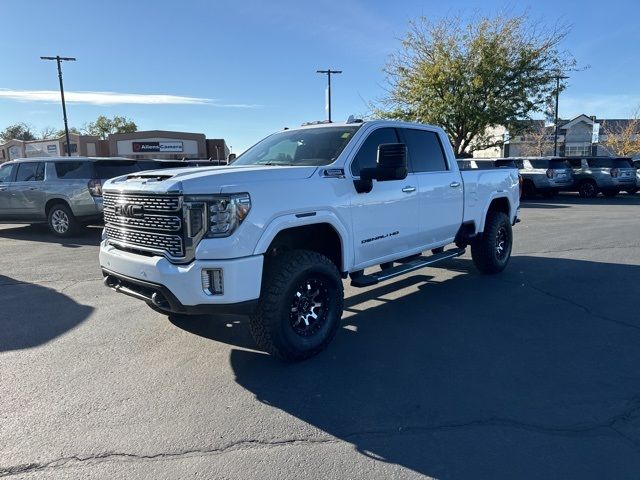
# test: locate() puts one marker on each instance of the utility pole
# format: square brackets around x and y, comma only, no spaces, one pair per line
[555,138]
[59,59]
[328,73]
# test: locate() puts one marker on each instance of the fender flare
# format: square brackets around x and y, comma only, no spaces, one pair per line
[290,220]
[494,196]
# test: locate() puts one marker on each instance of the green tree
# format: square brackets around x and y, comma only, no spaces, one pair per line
[103,126]
[18,131]
[467,77]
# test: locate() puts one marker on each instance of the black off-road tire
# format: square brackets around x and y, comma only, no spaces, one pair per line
[61,221]
[275,325]
[588,189]
[492,250]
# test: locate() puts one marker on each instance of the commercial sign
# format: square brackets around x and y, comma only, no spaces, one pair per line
[52,149]
[164,147]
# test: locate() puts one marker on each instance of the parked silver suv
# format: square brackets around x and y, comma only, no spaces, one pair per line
[609,175]
[64,192]
[544,175]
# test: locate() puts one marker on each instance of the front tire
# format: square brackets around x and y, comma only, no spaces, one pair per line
[300,305]
[491,252]
[61,220]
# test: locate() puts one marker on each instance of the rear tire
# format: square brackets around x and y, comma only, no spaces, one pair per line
[300,305]
[491,252]
[61,221]
[529,189]
[588,189]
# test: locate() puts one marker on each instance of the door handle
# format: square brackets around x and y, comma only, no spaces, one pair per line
[409,189]
[33,188]
[454,184]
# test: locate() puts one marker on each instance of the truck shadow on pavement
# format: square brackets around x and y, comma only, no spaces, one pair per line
[40,233]
[533,373]
[32,315]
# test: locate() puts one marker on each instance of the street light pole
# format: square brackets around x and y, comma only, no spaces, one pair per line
[555,138]
[328,73]
[59,59]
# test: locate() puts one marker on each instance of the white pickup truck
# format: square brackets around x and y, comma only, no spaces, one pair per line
[273,235]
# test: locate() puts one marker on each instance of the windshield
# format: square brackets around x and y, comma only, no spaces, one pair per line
[308,146]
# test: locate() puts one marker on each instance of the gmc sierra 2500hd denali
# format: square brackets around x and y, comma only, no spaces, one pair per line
[274,234]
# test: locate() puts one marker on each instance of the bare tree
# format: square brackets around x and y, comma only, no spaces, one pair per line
[537,142]
[48,133]
[623,138]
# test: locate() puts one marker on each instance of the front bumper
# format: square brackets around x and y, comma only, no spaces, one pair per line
[179,287]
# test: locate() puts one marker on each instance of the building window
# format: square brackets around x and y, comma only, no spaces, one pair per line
[579,150]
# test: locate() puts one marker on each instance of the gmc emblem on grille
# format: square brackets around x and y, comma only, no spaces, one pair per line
[129,210]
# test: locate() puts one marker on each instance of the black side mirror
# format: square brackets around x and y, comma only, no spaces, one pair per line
[391,165]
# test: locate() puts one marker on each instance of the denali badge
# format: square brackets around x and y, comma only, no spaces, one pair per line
[129,210]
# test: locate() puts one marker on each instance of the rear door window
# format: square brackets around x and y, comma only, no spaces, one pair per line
[107,169]
[30,172]
[73,170]
[424,150]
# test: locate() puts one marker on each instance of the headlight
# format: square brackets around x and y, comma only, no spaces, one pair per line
[223,213]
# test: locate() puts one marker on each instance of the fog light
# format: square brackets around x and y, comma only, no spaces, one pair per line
[212,281]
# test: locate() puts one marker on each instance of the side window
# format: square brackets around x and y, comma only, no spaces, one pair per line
[30,172]
[520,164]
[72,170]
[425,151]
[367,155]
[6,171]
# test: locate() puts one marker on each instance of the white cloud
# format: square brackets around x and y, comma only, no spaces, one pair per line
[112,98]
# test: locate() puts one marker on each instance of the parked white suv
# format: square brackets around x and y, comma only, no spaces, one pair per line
[274,234]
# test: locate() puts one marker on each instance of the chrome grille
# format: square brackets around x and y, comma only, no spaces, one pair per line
[146,222]
[153,222]
[149,241]
[151,203]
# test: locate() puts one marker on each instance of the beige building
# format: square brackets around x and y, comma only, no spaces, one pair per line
[147,144]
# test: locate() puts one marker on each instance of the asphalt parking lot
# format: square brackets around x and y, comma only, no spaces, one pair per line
[444,373]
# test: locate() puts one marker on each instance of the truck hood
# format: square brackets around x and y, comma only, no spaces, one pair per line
[203,180]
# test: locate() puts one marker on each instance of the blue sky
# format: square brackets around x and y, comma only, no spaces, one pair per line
[248,67]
